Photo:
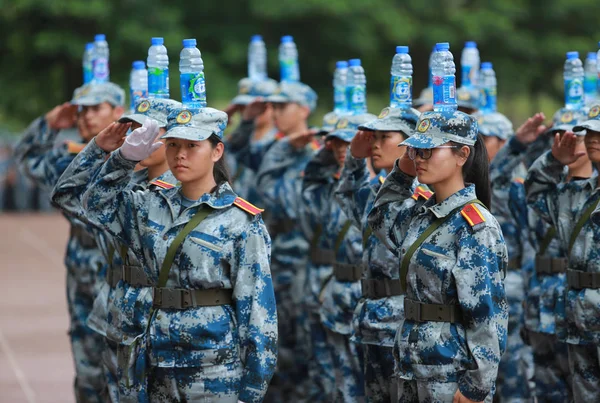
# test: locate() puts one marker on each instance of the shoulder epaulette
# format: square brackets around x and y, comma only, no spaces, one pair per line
[473,215]
[247,206]
[337,175]
[421,192]
[279,136]
[74,148]
[315,145]
[162,184]
[381,179]
[519,180]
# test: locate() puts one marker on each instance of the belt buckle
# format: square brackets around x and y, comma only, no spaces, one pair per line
[412,310]
[169,298]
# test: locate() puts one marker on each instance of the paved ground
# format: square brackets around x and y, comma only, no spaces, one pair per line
[35,358]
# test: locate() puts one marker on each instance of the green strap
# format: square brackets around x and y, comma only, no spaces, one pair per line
[111,255]
[366,235]
[547,239]
[341,236]
[579,226]
[316,235]
[428,231]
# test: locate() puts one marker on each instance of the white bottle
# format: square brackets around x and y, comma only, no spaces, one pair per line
[158,69]
[469,64]
[257,59]
[401,80]
[100,60]
[191,78]
[138,82]
[288,60]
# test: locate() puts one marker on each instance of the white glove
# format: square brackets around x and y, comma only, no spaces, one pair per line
[140,144]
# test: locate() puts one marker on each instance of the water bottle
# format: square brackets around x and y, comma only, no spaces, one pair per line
[100,60]
[257,59]
[138,82]
[444,82]
[487,88]
[158,69]
[598,56]
[191,69]
[401,80]
[591,78]
[340,81]
[469,64]
[573,76]
[356,90]
[431,64]
[288,60]
[88,73]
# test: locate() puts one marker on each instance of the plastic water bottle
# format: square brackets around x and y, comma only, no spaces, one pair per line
[573,76]
[158,69]
[288,60]
[597,57]
[487,88]
[444,81]
[191,69]
[100,54]
[138,82]
[401,80]
[88,73]
[257,59]
[469,64]
[356,90]
[340,81]
[590,85]
[431,64]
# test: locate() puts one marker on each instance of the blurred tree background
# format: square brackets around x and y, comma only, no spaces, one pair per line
[42,42]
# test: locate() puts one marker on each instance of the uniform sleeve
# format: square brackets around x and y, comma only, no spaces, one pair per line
[256,312]
[505,162]
[481,259]
[354,191]
[246,152]
[542,184]
[393,209]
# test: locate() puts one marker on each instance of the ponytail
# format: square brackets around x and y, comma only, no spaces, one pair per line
[477,171]
[220,171]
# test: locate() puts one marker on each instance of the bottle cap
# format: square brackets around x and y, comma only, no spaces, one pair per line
[89,46]
[470,44]
[157,41]
[341,64]
[486,66]
[402,49]
[592,55]
[442,46]
[189,43]
[100,37]
[256,38]
[287,39]
[354,62]
[572,55]
[139,65]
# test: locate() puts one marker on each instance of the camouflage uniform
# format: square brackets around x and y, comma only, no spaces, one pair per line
[218,353]
[562,205]
[435,358]
[375,319]
[44,164]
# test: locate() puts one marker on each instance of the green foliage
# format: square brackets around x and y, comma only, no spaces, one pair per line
[43,41]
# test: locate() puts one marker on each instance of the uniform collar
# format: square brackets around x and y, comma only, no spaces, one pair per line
[458,199]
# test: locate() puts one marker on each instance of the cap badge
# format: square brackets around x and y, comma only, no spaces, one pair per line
[384,113]
[595,111]
[423,125]
[342,124]
[143,106]
[566,117]
[184,117]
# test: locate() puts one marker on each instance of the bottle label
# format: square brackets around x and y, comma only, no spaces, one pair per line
[574,92]
[158,81]
[590,84]
[288,69]
[488,99]
[339,99]
[100,69]
[466,75]
[193,90]
[88,74]
[357,99]
[400,91]
[444,90]
[136,95]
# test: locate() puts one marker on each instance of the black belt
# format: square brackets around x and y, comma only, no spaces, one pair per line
[281,226]
[347,272]
[550,265]
[578,279]
[375,289]
[132,275]
[322,256]
[84,238]
[178,298]
[421,312]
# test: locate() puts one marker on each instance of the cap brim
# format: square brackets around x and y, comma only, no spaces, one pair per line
[593,125]
[188,133]
[387,125]
[88,101]
[243,99]
[419,140]
[278,99]
[345,135]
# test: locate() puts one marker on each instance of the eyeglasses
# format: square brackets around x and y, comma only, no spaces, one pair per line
[424,153]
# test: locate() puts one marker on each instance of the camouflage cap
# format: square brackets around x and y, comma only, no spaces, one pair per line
[249,90]
[297,93]
[425,98]
[346,128]
[592,123]
[437,128]
[329,122]
[195,124]
[467,98]
[95,94]
[155,108]
[494,125]
[566,119]
[394,120]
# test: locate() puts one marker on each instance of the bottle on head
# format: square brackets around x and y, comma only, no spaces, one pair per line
[573,76]
[340,81]
[401,79]
[597,57]
[158,69]
[138,82]
[590,85]
[257,59]
[100,54]
[444,81]
[88,54]
[288,60]
[487,88]
[191,76]
[430,64]
[469,64]
[356,90]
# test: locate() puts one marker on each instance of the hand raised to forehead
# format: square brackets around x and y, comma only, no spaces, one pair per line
[360,147]
[140,144]
[533,127]
[112,136]
[563,148]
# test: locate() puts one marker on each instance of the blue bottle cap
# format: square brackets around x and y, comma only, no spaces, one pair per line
[572,55]
[402,49]
[139,65]
[100,37]
[354,62]
[486,66]
[442,46]
[592,55]
[89,46]
[470,44]
[256,38]
[157,41]
[189,43]
[287,39]
[341,64]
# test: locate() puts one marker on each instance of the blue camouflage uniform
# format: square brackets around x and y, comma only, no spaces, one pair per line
[455,325]
[563,204]
[381,307]
[44,164]
[214,351]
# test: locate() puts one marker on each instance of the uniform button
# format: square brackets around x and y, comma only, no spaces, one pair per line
[403,250]
[158,317]
[125,337]
[161,359]
[165,237]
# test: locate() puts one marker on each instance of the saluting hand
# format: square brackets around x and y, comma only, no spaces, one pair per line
[407,165]
[62,116]
[300,139]
[563,148]
[140,144]
[533,127]
[112,137]
[460,398]
[254,109]
[360,147]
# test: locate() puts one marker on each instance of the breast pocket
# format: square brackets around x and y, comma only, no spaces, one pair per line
[213,247]
[434,263]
